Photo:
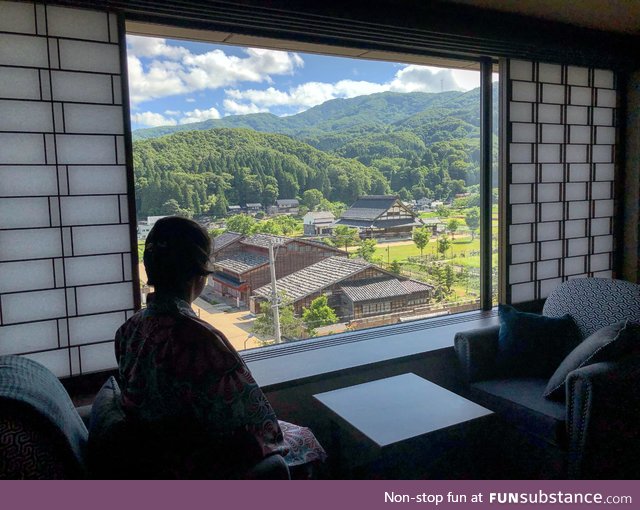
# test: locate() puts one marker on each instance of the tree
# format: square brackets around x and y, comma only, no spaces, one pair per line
[395,267]
[318,314]
[444,278]
[241,223]
[215,232]
[463,279]
[346,236]
[219,209]
[443,211]
[267,227]
[452,226]
[270,194]
[472,219]
[172,208]
[367,249]
[421,237]
[291,327]
[443,245]
[288,224]
[312,198]
[449,277]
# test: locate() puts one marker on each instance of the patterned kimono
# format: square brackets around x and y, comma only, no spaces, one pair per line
[174,365]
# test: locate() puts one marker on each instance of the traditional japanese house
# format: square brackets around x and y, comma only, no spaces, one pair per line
[241,263]
[380,216]
[355,289]
[316,223]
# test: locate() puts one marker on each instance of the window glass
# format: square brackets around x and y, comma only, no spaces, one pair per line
[363,175]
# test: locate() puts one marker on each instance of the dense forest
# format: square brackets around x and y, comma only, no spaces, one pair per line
[415,144]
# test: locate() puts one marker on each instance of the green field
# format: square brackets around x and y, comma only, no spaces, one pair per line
[459,246]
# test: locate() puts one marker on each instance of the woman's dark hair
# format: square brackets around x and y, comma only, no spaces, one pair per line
[176,250]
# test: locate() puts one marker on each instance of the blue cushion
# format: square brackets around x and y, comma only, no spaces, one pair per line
[106,426]
[606,344]
[520,401]
[532,345]
[106,411]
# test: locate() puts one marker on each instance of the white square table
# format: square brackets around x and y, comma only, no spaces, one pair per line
[397,410]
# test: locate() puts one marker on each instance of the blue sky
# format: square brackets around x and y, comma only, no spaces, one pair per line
[177,82]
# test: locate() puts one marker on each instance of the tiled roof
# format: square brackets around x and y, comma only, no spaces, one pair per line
[287,202]
[380,288]
[369,207]
[241,262]
[225,239]
[263,240]
[315,277]
[404,222]
[321,216]
[416,286]
[254,204]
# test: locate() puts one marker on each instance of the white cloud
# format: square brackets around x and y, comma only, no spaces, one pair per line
[151,119]
[414,78]
[231,107]
[302,96]
[410,78]
[159,80]
[172,113]
[199,115]
[140,46]
[190,100]
[174,70]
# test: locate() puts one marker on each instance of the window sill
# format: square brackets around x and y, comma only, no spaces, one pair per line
[279,366]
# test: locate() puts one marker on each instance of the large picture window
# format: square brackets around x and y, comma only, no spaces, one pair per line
[363,176]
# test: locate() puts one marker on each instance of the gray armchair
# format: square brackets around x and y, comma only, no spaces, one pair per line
[595,429]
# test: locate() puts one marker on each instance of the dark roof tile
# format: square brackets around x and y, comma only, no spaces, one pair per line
[381,288]
[241,262]
[315,277]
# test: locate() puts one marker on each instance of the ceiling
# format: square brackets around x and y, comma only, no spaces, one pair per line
[621,16]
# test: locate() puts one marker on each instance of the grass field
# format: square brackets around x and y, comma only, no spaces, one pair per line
[459,245]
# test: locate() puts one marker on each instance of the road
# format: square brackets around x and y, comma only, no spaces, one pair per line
[234,324]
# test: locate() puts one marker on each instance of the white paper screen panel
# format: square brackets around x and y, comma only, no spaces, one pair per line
[65,239]
[561,136]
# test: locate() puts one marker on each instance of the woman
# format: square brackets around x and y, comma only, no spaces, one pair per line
[174,366]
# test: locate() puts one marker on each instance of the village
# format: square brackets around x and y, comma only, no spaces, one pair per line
[382,261]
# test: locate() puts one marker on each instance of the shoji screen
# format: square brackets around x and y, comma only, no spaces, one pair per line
[560,171]
[65,245]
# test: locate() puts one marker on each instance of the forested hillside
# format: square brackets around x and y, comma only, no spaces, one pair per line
[417,145]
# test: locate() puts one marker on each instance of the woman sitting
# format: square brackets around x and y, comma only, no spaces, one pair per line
[176,369]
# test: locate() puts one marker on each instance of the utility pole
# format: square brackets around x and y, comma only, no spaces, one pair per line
[274,293]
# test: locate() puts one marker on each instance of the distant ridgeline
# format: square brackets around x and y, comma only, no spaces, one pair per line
[415,144]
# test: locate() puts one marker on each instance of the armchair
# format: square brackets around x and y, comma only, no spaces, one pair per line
[595,429]
[41,434]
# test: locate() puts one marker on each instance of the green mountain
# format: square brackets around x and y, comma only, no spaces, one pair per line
[417,145]
[206,170]
[337,114]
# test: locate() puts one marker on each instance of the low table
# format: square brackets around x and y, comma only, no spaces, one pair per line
[402,411]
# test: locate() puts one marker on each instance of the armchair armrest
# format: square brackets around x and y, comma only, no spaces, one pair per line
[603,409]
[476,350]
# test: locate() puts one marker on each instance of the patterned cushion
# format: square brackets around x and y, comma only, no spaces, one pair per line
[594,302]
[26,449]
[607,344]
